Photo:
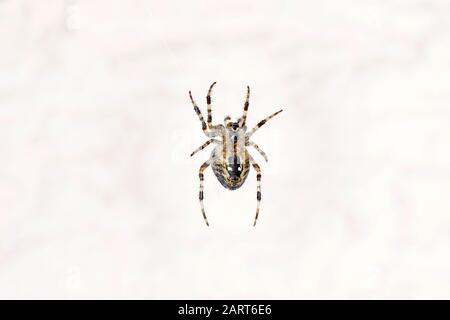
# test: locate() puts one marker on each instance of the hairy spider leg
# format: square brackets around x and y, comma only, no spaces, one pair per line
[261,123]
[200,194]
[208,102]
[254,145]
[244,114]
[203,146]
[258,187]
[202,120]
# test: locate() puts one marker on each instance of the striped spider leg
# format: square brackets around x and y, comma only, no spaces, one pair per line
[213,131]
[262,122]
[257,148]
[253,162]
[210,131]
[258,187]
[200,194]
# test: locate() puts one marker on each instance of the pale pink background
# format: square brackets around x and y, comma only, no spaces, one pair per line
[98,195]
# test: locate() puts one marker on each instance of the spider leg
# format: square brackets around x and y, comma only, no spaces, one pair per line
[200,195]
[258,187]
[202,120]
[208,102]
[244,115]
[254,145]
[203,146]
[261,123]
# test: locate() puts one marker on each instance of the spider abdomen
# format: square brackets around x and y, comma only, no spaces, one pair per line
[230,169]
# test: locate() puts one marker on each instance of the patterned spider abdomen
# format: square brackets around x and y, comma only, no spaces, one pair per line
[231,170]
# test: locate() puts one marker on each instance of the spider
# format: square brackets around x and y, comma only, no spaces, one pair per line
[230,160]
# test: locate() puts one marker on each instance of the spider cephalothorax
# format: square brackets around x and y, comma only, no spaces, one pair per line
[230,160]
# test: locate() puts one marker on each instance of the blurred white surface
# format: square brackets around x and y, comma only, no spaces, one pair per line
[98,195]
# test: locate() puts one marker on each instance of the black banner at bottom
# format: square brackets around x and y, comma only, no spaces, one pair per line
[223,309]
